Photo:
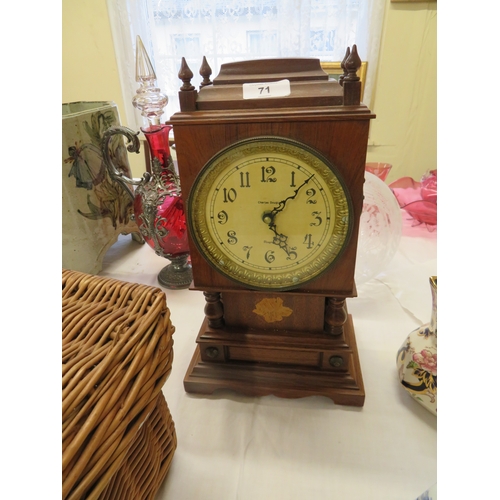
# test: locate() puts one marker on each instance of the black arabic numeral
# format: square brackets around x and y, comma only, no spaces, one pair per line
[310,194]
[317,218]
[269,256]
[245,179]
[247,250]
[267,174]
[231,237]
[222,216]
[308,241]
[229,195]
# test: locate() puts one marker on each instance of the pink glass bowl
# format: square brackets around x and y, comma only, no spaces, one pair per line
[381,170]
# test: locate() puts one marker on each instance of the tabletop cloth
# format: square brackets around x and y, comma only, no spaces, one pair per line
[232,446]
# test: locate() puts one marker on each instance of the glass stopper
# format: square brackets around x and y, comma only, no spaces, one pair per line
[149,99]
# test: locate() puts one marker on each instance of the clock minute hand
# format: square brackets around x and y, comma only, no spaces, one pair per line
[269,216]
[282,203]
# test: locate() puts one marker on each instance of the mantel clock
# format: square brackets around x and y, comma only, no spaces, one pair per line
[271,158]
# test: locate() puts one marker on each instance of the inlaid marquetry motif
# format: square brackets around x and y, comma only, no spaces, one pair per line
[272,310]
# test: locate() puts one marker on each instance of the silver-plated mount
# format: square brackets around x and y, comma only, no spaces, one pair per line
[133,146]
[153,194]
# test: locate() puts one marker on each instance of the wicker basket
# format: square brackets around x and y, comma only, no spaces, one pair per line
[118,436]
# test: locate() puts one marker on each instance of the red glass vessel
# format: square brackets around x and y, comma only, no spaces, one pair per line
[159,211]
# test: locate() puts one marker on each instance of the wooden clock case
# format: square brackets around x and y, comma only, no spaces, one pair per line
[293,343]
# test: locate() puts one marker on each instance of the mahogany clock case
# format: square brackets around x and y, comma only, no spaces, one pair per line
[306,346]
[196,144]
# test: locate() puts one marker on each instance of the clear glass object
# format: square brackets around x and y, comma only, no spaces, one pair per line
[380,229]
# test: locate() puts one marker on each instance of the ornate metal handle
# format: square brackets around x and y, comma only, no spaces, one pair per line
[133,146]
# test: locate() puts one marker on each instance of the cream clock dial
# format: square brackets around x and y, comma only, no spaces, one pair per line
[270,213]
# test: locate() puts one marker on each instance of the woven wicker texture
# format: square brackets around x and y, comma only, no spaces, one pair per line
[118,435]
[148,460]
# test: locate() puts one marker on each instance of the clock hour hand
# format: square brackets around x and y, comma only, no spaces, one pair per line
[270,216]
[280,240]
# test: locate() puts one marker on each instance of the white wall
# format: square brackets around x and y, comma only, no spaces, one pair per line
[405,100]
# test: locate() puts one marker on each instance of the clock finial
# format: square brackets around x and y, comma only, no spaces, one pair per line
[342,65]
[351,81]
[205,72]
[185,74]
[187,93]
[352,65]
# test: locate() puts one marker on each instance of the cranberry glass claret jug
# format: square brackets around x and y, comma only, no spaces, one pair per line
[158,206]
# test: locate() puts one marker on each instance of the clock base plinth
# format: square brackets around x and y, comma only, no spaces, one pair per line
[287,365]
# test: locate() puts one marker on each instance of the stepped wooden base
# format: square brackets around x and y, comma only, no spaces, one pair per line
[288,365]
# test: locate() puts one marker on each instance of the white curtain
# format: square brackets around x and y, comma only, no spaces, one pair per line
[230,30]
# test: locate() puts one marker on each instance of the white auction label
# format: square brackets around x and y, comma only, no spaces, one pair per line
[267,89]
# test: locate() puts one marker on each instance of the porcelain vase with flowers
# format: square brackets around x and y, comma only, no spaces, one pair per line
[417,359]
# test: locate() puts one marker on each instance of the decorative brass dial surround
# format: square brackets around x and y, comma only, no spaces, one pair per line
[269,213]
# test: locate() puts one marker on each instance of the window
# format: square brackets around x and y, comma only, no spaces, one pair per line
[231,30]
[322,42]
[260,43]
[186,45]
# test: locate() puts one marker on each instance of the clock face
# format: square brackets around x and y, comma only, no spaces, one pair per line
[269,213]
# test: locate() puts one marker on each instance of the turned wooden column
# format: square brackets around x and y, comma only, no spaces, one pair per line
[335,316]
[214,310]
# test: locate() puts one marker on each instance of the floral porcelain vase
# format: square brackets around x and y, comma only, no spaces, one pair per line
[96,209]
[417,359]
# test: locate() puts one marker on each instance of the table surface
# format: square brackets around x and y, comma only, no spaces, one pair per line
[232,446]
